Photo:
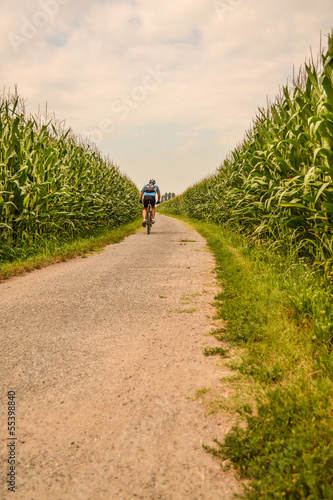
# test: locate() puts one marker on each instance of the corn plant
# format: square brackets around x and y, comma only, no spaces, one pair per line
[51,185]
[278,184]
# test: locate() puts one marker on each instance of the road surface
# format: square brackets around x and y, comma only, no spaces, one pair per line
[105,354]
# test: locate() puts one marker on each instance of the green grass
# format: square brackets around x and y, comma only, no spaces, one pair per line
[215,351]
[199,393]
[188,311]
[51,251]
[279,319]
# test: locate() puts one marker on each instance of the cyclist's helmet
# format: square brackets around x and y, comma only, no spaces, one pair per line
[152,181]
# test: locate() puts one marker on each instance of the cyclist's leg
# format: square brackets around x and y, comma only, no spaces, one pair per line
[153,209]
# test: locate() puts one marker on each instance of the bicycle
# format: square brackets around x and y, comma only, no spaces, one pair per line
[149,218]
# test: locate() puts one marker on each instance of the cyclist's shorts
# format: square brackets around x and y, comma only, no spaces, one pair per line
[146,199]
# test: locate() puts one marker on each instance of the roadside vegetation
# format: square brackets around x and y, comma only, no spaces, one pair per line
[267,214]
[51,251]
[277,185]
[54,189]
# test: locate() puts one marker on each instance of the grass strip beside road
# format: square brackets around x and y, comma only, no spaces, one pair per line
[51,251]
[279,321]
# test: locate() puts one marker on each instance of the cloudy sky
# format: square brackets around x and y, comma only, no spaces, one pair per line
[166,89]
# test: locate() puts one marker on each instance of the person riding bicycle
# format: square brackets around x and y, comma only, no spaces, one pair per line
[148,193]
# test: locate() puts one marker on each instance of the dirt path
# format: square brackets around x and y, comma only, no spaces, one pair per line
[102,362]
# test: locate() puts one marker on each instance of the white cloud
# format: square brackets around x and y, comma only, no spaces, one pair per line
[93,60]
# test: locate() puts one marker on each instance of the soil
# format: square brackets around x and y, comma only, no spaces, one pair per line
[105,355]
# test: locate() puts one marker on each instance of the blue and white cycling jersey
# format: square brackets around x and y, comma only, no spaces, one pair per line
[157,190]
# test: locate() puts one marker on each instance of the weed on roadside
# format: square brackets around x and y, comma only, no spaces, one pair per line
[188,311]
[215,351]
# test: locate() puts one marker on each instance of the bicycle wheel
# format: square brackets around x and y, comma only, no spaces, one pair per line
[148,220]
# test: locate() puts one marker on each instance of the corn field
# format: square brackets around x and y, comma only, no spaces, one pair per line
[278,184]
[51,185]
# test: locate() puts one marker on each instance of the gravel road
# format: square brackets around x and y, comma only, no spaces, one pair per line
[105,354]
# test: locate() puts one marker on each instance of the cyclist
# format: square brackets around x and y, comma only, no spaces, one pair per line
[148,193]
